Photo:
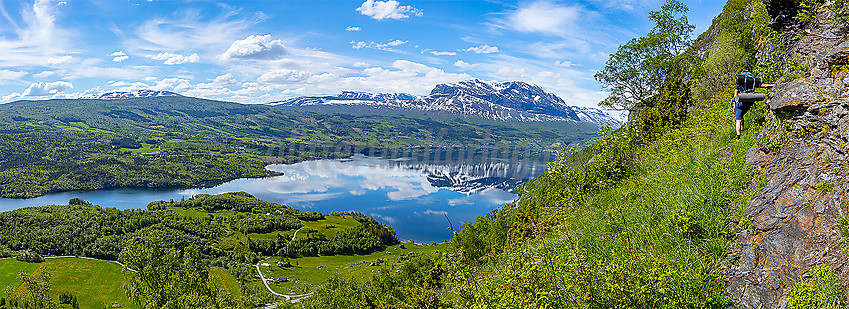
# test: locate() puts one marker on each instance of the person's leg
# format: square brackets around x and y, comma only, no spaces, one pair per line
[738,115]
[739,127]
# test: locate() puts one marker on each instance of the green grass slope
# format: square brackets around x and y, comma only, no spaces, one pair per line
[657,239]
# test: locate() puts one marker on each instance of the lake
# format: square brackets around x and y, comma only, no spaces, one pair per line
[411,196]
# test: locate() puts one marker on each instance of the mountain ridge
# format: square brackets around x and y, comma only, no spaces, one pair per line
[509,101]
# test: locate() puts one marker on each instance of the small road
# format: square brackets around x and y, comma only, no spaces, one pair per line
[84,258]
[265,281]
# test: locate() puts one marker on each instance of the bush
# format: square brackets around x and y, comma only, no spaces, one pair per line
[669,111]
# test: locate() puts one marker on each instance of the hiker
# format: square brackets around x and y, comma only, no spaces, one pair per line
[745,95]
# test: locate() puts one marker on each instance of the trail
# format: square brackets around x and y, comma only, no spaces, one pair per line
[82,257]
[265,281]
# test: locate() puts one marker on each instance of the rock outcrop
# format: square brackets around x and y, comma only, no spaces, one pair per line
[807,171]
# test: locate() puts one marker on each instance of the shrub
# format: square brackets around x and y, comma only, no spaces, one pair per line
[822,291]
[668,112]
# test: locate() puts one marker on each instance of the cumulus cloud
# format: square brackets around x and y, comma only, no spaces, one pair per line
[390,9]
[119,56]
[172,59]
[284,76]
[256,47]
[225,80]
[361,64]
[464,65]
[483,49]
[172,84]
[41,89]
[59,60]
[443,53]
[352,28]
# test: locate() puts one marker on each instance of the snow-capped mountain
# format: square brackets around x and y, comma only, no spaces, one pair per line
[347,98]
[518,101]
[135,94]
[597,116]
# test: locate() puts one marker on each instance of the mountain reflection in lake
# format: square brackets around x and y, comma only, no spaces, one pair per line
[412,197]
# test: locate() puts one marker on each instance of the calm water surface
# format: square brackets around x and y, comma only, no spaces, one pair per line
[410,196]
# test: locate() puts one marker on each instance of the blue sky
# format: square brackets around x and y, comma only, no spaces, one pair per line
[268,50]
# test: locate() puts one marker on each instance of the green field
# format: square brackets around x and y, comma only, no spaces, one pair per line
[200,214]
[331,225]
[144,149]
[9,269]
[95,283]
[307,272]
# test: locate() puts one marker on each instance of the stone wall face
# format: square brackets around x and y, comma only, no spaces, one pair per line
[807,187]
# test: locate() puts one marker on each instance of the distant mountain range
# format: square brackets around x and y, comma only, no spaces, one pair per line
[131,95]
[516,101]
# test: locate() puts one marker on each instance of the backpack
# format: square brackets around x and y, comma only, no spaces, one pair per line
[747,82]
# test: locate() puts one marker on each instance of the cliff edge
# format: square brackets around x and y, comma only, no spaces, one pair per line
[806,162]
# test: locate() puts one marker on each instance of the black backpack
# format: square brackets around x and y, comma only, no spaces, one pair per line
[747,82]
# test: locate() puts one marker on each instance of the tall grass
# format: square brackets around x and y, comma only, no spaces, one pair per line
[656,239]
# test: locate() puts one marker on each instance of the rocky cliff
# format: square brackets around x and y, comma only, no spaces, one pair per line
[806,162]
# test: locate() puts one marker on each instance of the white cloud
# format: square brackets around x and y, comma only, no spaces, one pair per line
[545,17]
[361,64]
[41,89]
[190,30]
[45,74]
[464,65]
[225,80]
[7,75]
[172,84]
[435,212]
[443,53]
[352,28]
[62,3]
[172,59]
[34,38]
[381,46]
[387,9]
[256,47]
[59,60]
[119,56]
[284,76]
[565,64]
[483,49]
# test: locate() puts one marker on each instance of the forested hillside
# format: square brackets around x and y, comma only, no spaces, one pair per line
[159,142]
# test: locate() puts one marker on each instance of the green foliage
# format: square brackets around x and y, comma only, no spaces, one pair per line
[824,187]
[636,72]
[668,112]
[168,278]
[828,286]
[652,237]
[843,227]
[822,291]
[777,63]
[35,292]
[805,295]
[809,10]
[415,285]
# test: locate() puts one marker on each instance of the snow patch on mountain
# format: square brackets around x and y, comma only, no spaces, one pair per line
[514,101]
